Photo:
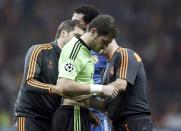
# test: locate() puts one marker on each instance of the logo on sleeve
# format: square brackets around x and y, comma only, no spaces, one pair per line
[69,67]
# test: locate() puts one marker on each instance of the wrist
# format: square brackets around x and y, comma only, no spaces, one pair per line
[50,89]
[53,89]
[95,88]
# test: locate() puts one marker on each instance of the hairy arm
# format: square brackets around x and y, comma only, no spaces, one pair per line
[67,87]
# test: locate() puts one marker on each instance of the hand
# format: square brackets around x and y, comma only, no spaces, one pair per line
[109,90]
[120,84]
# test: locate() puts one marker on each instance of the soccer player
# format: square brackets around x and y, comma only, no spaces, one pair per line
[35,104]
[129,111]
[76,68]
[85,15]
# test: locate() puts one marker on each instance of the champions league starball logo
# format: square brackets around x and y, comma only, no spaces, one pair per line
[69,67]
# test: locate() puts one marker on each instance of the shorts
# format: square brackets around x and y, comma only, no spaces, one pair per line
[71,118]
[133,124]
[32,124]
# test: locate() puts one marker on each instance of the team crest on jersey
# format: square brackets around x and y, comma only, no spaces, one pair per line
[69,67]
[95,59]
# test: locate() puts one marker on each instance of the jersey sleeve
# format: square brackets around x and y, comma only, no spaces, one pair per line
[70,62]
[32,71]
[129,63]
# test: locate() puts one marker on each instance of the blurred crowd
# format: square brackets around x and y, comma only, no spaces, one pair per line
[151,28]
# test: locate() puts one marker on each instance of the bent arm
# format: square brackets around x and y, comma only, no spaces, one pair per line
[32,71]
[69,87]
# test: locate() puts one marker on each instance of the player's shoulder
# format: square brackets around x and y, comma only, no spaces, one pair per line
[44,46]
[129,53]
[71,43]
[40,47]
[123,50]
[72,48]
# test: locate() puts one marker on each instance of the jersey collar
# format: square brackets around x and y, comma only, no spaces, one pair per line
[83,43]
[56,47]
[114,53]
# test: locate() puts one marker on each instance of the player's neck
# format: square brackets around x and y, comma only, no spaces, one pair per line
[86,38]
[114,47]
[60,43]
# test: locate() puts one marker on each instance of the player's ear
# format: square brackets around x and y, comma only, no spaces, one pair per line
[63,34]
[94,32]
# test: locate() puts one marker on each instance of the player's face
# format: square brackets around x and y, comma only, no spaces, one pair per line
[78,17]
[106,51]
[100,42]
[76,32]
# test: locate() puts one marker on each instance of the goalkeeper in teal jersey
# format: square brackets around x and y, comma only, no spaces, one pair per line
[76,68]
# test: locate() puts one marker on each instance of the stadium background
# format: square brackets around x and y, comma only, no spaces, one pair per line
[150,27]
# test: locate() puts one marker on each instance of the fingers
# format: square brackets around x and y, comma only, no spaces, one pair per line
[110,90]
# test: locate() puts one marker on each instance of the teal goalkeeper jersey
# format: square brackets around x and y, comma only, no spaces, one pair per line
[76,62]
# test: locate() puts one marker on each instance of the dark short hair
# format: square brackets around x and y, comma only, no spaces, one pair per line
[68,25]
[89,12]
[105,25]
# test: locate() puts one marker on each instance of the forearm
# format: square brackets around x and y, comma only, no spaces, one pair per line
[33,85]
[73,88]
[69,87]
